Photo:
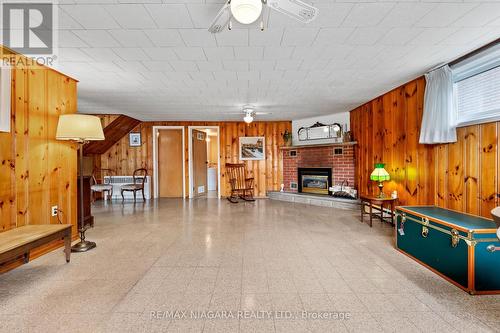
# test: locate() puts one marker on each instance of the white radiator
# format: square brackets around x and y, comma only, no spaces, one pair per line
[118,181]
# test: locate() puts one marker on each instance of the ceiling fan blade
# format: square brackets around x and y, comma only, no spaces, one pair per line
[296,9]
[221,19]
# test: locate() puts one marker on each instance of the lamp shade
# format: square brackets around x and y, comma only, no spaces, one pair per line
[79,127]
[379,174]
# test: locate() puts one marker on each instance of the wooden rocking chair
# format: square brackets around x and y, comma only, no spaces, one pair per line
[241,186]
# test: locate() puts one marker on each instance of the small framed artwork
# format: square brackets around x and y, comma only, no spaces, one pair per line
[135,139]
[252,148]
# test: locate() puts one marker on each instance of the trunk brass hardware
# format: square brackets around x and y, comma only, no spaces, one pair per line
[454,238]
[492,248]
[425,230]
[401,229]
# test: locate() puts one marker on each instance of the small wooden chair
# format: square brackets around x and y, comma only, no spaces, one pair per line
[136,186]
[99,183]
[241,185]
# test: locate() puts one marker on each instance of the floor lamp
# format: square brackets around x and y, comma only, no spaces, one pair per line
[81,128]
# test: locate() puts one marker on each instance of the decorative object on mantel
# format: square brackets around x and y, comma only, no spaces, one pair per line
[380,175]
[81,128]
[332,144]
[287,137]
[321,131]
[135,139]
[5,87]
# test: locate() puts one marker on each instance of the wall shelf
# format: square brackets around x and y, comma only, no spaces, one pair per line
[335,144]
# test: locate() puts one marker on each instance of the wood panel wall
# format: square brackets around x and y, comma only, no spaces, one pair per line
[268,173]
[463,176]
[36,170]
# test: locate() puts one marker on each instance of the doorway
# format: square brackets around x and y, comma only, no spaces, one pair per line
[204,162]
[168,160]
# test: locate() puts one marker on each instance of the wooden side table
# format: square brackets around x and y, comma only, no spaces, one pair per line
[378,204]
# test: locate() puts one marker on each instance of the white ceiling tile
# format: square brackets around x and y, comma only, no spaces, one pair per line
[69,39]
[219,53]
[136,66]
[262,65]
[190,53]
[66,21]
[479,16]
[162,66]
[131,53]
[268,37]
[333,36]
[235,65]
[163,37]
[367,14]
[96,38]
[101,53]
[331,14]
[160,53]
[299,36]
[248,52]
[431,36]
[399,36]
[235,37]
[464,35]
[210,66]
[73,54]
[105,66]
[170,15]
[90,16]
[288,64]
[198,37]
[204,76]
[131,38]
[225,76]
[271,75]
[183,66]
[202,15]
[366,36]
[248,75]
[130,16]
[275,52]
[405,14]
[443,14]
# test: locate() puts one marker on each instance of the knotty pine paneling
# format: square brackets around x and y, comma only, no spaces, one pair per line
[36,170]
[268,173]
[463,176]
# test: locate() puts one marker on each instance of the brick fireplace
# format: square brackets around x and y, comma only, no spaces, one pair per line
[337,157]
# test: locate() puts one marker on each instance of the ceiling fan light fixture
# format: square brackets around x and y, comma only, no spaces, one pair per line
[248,118]
[246,11]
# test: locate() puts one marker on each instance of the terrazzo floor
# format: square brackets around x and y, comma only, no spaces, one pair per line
[210,266]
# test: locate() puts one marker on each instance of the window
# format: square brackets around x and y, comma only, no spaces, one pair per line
[477,88]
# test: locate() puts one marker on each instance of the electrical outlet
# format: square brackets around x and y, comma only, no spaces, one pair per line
[53,211]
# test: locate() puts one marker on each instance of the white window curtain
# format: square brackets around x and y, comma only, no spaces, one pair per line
[5,82]
[439,118]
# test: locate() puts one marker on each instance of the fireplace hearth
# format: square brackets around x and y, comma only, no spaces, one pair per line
[314,180]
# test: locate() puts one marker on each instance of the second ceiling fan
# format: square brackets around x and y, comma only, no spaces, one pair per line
[248,11]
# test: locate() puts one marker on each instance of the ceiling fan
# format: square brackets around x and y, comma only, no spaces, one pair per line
[249,113]
[248,11]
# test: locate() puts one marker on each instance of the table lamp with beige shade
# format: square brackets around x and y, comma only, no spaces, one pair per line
[80,128]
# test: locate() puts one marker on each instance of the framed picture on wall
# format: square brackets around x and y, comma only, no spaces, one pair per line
[252,148]
[135,139]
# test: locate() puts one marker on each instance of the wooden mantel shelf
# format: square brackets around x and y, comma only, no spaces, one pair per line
[336,144]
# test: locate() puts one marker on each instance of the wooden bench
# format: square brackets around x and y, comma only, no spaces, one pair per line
[20,241]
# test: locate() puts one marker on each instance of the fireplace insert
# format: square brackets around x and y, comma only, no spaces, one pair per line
[315,180]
